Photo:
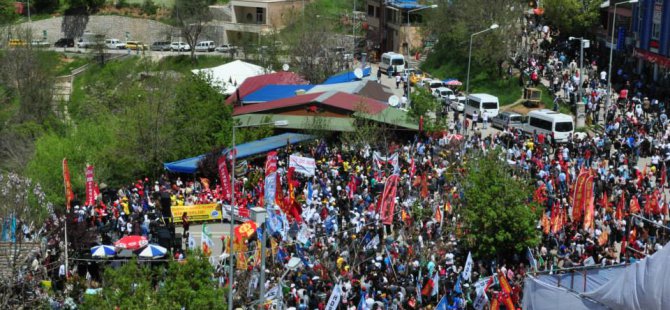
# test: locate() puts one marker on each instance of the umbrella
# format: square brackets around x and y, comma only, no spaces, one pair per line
[131,242]
[452,82]
[103,251]
[153,251]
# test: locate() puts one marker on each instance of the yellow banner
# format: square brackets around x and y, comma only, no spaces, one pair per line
[203,212]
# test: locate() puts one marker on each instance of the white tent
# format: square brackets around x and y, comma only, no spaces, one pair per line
[639,286]
[231,75]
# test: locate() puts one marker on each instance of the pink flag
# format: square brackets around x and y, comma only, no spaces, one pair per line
[224,177]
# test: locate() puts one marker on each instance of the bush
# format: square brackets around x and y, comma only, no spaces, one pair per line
[149,7]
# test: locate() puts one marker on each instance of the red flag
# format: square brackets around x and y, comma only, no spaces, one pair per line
[293,206]
[618,215]
[579,192]
[271,163]
[90,187]
[428,288]
[279,194]
[438,215]
[412,169]
[387,200]
[506,294]
[421,123]
[634,205]
[539,195]
[604,202]
[589,212]
[352,186]
[546,224]
[655,208]
[664,176]
[69,195]
[224,177]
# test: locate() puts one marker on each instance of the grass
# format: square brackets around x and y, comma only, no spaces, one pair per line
[508,91]
[69,63]
[183,64]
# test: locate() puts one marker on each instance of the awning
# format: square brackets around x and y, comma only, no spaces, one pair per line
[190,165]
[652,57]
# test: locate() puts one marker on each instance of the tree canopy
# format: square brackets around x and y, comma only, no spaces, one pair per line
[497,213]
[173,285]
[574,17]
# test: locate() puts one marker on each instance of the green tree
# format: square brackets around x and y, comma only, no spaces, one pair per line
[572,17]
[135,285]
[422,103]
[7,12]
[191,17]
[455,22]
[497,214]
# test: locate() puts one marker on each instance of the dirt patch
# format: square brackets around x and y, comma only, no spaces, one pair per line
[518,107]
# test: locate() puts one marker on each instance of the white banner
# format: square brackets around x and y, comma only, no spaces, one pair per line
[273,293]
[270,189]
[467,270]
[372,244]
[481,300]
[304,165]
[481,284]
[334,299]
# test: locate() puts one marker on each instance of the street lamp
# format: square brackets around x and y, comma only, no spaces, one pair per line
[467,80]
[609,71]
[407,32]
[279,123]
[292,265]
[581,65]
[259,215]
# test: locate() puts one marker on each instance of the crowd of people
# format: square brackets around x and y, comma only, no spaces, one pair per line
[417,260]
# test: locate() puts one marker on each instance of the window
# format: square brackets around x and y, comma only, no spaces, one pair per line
[473,103]
[371,10]
[259,15]
[541,123]
[398,62]
[490,105]
[564,127]
[656,20]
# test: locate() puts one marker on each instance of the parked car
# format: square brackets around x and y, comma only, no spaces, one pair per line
[39,43]
[225,48]
[17,43]
[160,46]
[64,42]
[458,104]
[432,85]
[505,119]
[136,45]
[205,46]
[444,94]
[179,46]
[114,44]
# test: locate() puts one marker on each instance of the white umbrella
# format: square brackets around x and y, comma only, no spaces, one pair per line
[153,251]
[103,251]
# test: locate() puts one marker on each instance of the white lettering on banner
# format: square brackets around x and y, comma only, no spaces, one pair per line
[334,299]
[270,188]
[304,165]
[272,294]
[481,284]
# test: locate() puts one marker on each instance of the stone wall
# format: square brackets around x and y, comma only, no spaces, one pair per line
[144,30]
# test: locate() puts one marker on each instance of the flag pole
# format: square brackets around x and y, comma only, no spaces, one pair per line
[67,211]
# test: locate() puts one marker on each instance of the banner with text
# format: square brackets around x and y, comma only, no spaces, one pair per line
[304,165]
[90,186]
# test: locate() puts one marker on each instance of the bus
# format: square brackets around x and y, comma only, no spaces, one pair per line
[550,122]
[392,59]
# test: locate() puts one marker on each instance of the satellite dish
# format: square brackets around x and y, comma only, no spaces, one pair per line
[358,73]
[394,101]
[285,67]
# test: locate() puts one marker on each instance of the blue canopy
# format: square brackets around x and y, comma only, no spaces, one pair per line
[274,92]
[190,165]
[347,76]
[405,4]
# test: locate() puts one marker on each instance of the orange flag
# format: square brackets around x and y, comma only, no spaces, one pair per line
[604,202]
[424,186]
[634,205]
[506,294]
[545,224]
[438,215]
[589,215]
[447,207]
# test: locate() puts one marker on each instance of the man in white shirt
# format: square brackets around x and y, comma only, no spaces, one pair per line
[603,78]
[485,119]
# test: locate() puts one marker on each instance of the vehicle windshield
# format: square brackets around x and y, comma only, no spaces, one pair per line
[444,93]
[563,127]
[515,118]
[490,105]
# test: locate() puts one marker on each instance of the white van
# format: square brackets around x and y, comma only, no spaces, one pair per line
[481,103]
[392,59]
[549,122]
[205,46]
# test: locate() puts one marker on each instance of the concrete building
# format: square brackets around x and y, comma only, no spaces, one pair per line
[394,25]
[651,29]
[249,18]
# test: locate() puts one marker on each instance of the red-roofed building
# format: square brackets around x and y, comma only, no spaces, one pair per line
[253,84]
[332,110]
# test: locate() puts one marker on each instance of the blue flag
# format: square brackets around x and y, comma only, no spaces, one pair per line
[442,305]
[362,305]
[457,286]
[281,255]
[309,192]
[301,255]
